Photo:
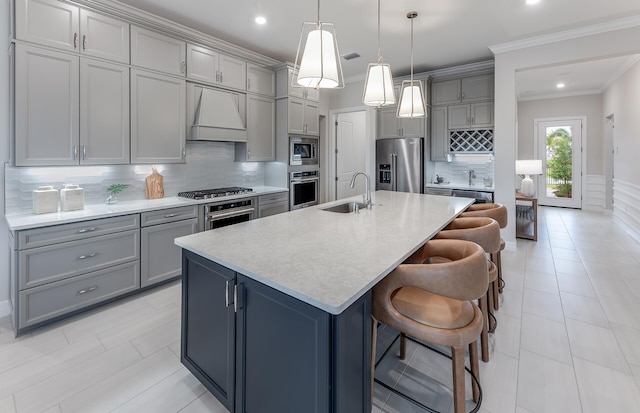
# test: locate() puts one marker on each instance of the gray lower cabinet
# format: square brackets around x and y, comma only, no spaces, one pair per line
[258,349]
[273,204]
[161,258]
[62,269]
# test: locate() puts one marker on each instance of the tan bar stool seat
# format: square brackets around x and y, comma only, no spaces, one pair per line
[499,213]
[433,302]
[486,233]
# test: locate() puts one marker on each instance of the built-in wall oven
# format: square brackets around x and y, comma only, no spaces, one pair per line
[304,188]
[303,151]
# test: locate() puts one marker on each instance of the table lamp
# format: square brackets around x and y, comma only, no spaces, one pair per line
[527,168]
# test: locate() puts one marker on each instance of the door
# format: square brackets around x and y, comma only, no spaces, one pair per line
[296,116]
[233,72]
[312,118]
[559,144]
[104,37]
[387,123]
[48,22]
[350,153]
[439,134]
[261,140]
[458,116]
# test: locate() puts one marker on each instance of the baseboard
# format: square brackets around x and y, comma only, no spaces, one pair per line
[5,308]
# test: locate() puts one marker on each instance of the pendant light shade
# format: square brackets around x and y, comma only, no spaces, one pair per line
[378,85]
[318,57]
[412,94]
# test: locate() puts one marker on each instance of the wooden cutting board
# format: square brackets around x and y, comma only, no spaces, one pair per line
[154,185]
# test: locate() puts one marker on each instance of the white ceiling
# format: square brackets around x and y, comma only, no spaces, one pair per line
[447,33]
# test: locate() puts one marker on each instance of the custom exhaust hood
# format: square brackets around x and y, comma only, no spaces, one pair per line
[218,115]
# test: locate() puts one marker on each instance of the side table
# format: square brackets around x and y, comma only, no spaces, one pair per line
[526,217]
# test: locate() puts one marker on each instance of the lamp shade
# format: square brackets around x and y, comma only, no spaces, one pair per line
[529,167]
[411,100]
[319,64]
[378,86]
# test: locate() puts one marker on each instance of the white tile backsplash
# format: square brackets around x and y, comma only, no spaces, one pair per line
[209,165]
[456,171]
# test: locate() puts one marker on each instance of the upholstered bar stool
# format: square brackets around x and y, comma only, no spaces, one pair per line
[433,302]
[499,213]
[486,233]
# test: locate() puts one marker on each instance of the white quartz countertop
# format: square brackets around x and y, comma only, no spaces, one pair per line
[29,220]
[328,259]
[457,185]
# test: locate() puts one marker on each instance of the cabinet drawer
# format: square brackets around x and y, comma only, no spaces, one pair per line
[48,301]
[273,209]
[169,215]
[44,265]
[271,198]
[39,237]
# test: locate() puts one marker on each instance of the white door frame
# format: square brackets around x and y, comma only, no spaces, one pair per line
[329,173]
[583,145]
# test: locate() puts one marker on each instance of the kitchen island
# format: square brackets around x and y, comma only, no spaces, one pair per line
[276,311]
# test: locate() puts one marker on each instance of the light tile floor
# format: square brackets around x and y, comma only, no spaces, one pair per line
[568,340]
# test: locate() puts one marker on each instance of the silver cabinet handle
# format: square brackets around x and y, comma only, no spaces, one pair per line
[75,152]
[84,151]
[458,95]
[235,298]
[183,67]
[75,40]
[84,257]
[82,231]
[473,121]
[171,215]
[226,293]
[221,77]
[217,75]
[87,290]
[184,153]
[248,84]
[84,42]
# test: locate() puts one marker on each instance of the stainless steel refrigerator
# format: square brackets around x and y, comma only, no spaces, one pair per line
[399,164]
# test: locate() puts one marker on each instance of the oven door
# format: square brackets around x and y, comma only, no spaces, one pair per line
[229,213]
[304,193]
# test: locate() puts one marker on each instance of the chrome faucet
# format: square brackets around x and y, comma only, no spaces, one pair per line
[367,200]
[472,174]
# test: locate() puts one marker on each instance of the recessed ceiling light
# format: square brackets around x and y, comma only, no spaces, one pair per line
[560,85]
[261,20]
[532,2]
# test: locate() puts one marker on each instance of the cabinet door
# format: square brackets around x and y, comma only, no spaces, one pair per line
[158,118]
[439,134]
[209,326]
[261,135]
[312,94]
[264,327]
[446,92]
[104,37]
[412,127]
[104,113]
[203,64]
[48,22]
[312,118]
[477,88]
[160,259]
[233,72]
[296,115]
[387,124]
[261,80]
[273,209]
[482,114]
[158,52]
[47,107]
[459,117]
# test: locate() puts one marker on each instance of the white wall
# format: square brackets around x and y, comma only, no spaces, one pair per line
[5,35]
[622,100]
[588,105]
[507,62]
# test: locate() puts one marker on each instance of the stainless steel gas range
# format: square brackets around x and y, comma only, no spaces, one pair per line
[224,212]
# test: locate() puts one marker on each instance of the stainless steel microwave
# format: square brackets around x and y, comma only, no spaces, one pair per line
[303,151]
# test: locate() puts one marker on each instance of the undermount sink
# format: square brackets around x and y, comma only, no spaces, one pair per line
[346,207]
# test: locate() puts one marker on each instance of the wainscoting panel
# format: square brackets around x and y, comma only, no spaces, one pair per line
[595,196]
[626,206]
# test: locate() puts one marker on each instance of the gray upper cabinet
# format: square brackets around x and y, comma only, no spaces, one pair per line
[208,66]
[439,134]
[46,107]
[70,110]
[390,126]
[157,51]
[104,113]
[68,27]
[261,132]
[260,80]
[284,87]
[473,115]
[467,89]
[158,118]
[303,117]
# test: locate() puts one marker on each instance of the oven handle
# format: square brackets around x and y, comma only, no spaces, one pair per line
[213,216]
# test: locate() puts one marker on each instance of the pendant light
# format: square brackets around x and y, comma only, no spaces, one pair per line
[378,85]
[319,65]
[412,95]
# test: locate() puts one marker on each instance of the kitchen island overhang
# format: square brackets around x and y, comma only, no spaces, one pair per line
[291,295]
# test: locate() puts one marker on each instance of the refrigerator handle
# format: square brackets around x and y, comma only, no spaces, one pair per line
[394,172]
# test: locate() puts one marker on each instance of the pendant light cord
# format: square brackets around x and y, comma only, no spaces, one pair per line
[412,16]
[379,53]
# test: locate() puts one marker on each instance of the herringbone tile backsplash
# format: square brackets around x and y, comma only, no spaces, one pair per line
[209,165]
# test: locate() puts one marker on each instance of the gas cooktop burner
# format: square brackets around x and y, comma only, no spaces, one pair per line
[215,193]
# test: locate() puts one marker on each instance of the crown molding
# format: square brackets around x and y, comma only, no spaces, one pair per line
[150,21]
[560,95]
[621,71]
[483,66]
[610,26]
